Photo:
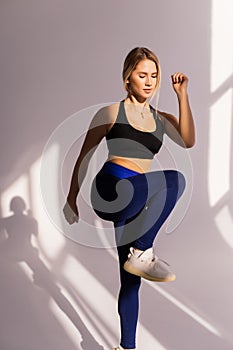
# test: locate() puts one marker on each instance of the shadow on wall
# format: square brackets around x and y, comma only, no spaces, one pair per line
[16,247]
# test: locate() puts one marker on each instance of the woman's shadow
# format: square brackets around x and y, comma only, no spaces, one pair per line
[16,232]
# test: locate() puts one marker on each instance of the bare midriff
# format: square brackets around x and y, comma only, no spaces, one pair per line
[135,164]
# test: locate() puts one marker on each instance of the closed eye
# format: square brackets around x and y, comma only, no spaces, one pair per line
[152,76]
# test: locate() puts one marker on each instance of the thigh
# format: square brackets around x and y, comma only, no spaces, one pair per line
[152,186]
[117,199]
[158,181]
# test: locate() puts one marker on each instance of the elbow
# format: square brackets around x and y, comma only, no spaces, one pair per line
[189,141]
[189,144]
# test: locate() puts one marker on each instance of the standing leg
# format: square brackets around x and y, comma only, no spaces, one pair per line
[128,301]
[112,189]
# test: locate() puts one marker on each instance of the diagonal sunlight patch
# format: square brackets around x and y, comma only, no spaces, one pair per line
[92,296]
[186,309]
[49,180]
[224,222]
[26,270]
[222,43]
[71,331]
[51,241]
[219,148]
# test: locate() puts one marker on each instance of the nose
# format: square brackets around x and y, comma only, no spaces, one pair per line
[148,81]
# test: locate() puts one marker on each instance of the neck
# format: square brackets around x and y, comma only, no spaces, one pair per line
[133,100]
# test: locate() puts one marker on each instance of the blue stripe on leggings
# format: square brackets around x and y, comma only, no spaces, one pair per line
[118,170]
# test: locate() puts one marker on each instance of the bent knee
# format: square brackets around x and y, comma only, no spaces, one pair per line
[181,182]
[176,180]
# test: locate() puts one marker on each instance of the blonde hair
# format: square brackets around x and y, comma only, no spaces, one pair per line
[135,56]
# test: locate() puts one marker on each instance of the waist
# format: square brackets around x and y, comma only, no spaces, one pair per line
[118,170]
[134,164]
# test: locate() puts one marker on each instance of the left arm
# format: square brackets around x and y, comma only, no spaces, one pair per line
[182,130]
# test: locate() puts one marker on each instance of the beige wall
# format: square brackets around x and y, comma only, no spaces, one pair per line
[58,58]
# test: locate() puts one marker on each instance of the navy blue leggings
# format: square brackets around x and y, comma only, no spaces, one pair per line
[138,204]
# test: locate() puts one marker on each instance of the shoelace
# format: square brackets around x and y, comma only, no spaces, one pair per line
[158,259]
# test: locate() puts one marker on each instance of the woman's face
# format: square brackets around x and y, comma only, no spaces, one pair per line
[142,81]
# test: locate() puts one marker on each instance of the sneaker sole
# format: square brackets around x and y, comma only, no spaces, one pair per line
[129,268]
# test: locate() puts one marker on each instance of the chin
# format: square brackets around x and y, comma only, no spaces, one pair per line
[146,96]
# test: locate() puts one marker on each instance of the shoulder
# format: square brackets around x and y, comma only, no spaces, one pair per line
[170,121]
[112,111]
[167,116]
[160,115]
[106,114]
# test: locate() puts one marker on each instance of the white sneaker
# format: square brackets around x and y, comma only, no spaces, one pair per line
[148,266]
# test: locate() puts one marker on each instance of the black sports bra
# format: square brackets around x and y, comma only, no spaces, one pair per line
[123,140]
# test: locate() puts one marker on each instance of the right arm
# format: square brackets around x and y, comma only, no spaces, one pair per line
[98,129]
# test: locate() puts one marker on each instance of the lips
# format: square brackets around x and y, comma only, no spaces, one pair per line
[147,90]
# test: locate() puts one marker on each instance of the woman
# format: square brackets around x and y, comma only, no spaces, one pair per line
[125,191]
